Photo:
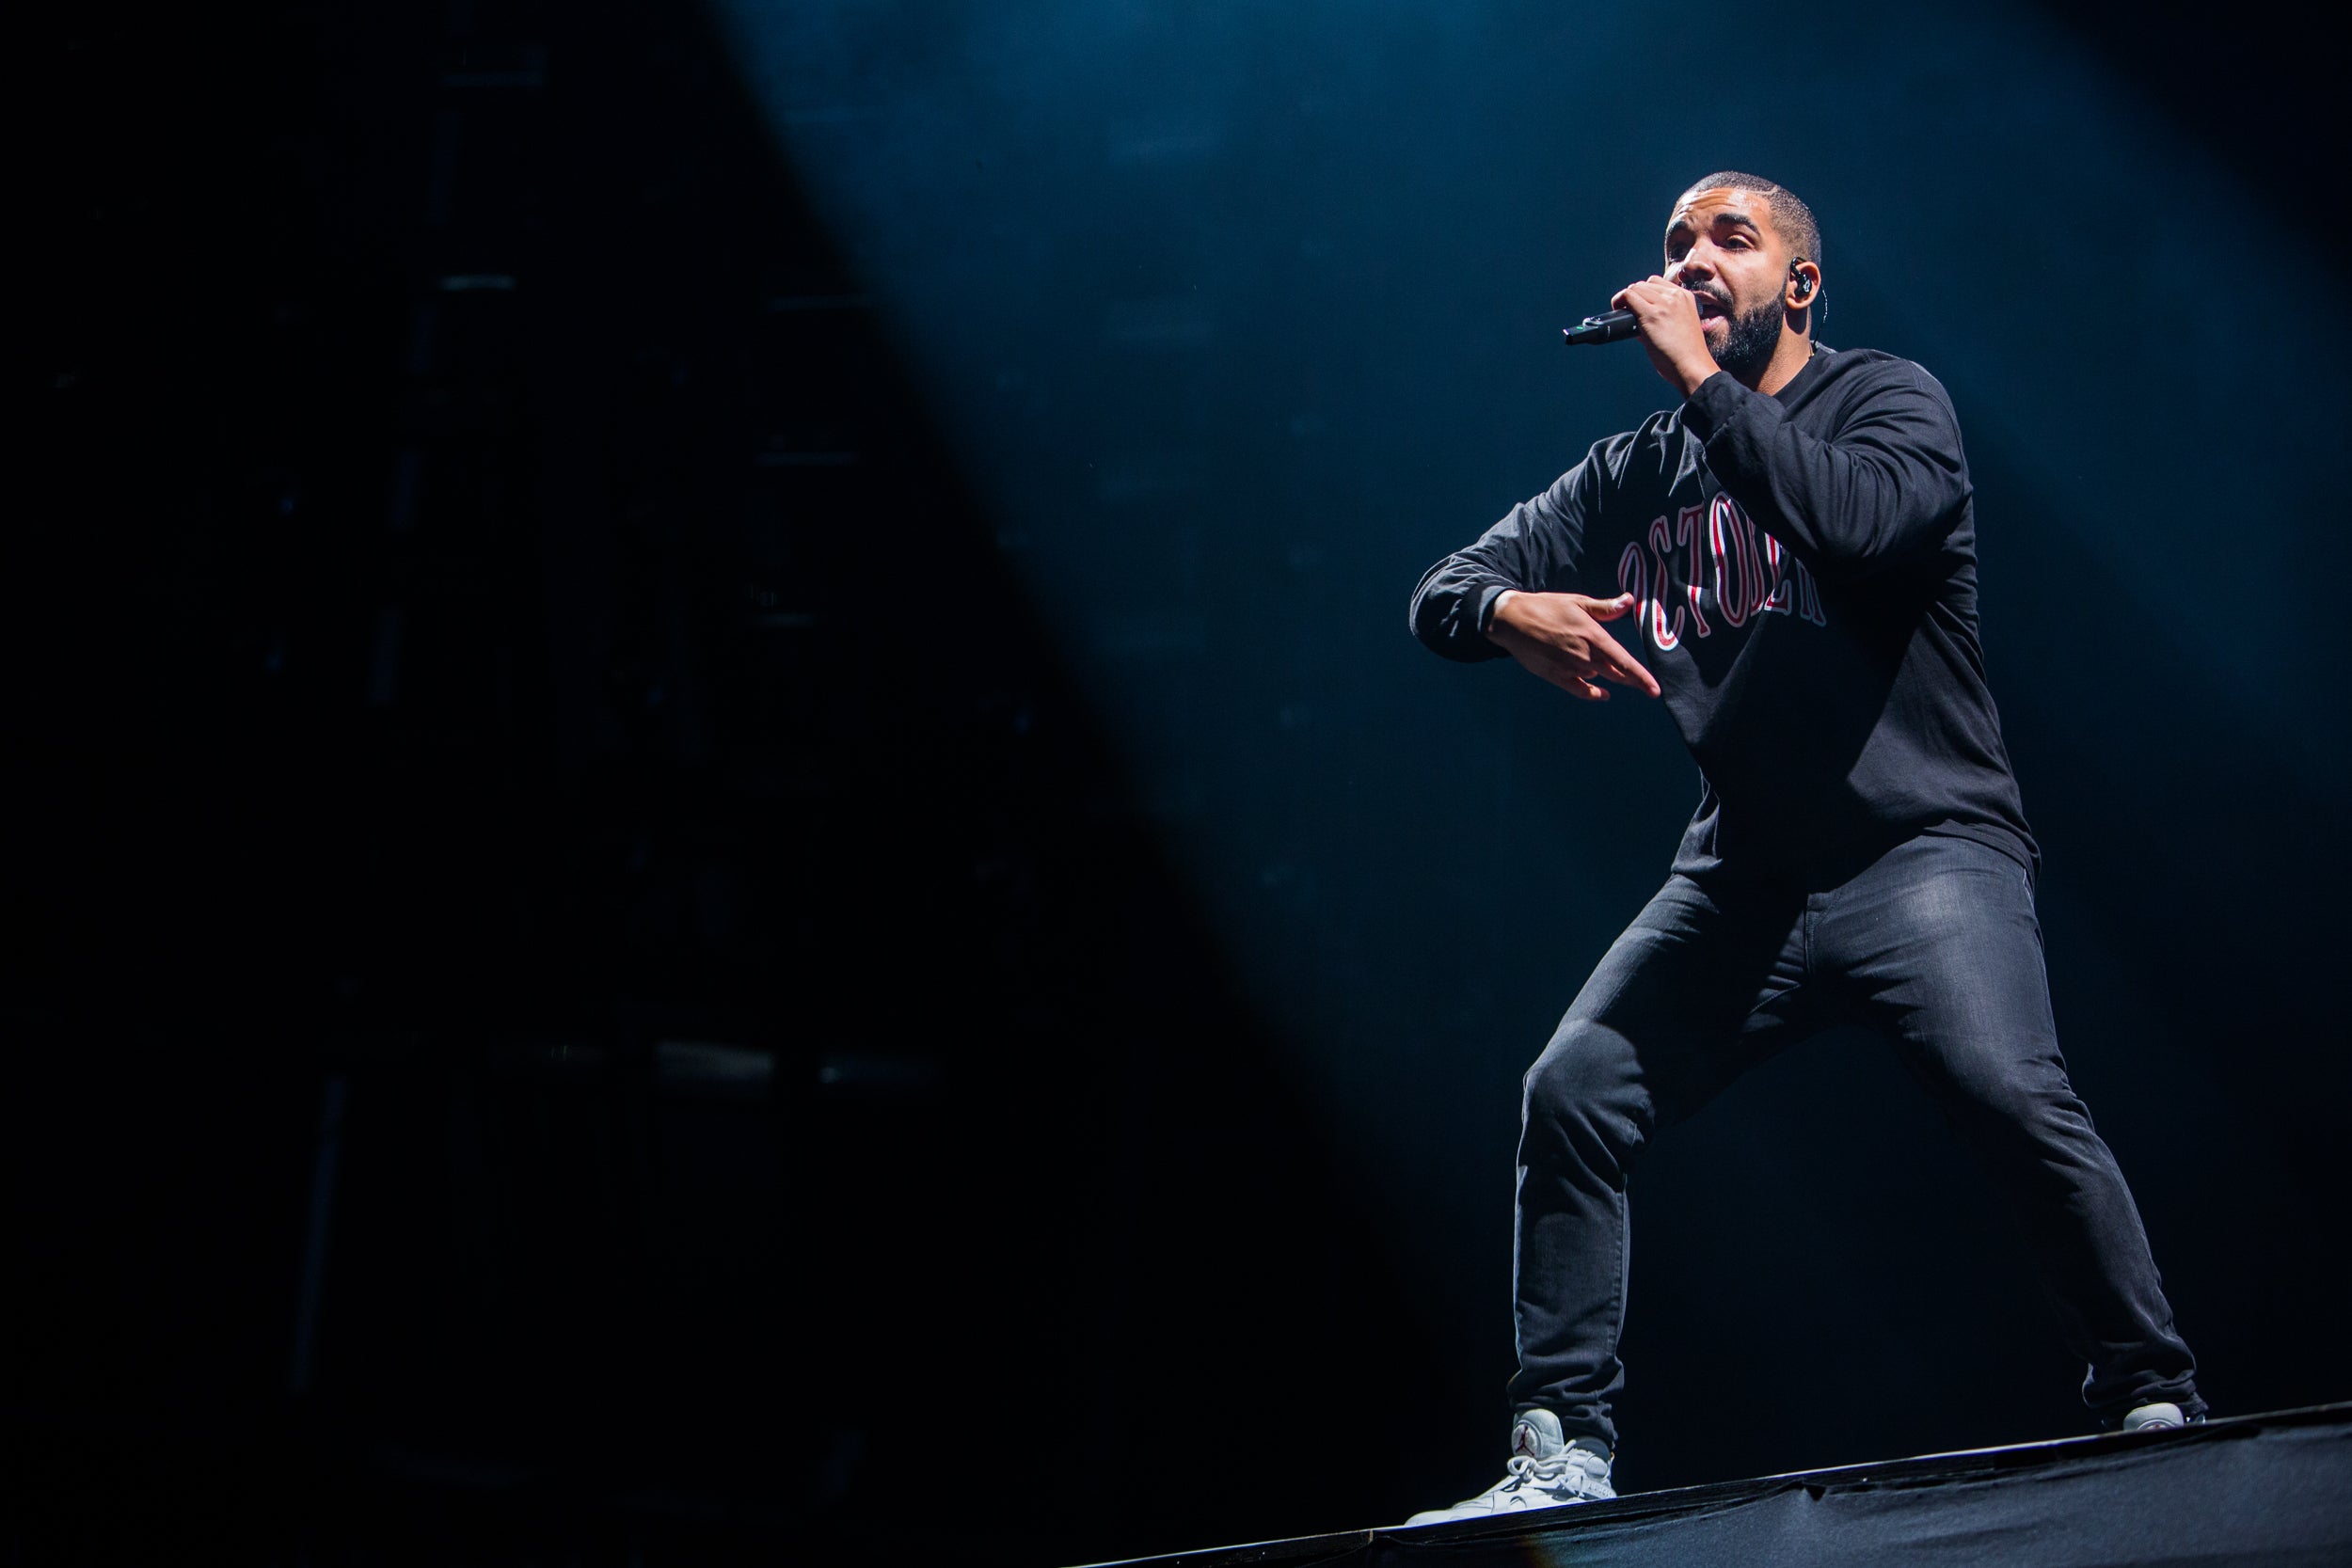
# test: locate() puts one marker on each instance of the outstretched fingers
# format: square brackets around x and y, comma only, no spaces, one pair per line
[1568,648]
[1612,662]
[1560,672]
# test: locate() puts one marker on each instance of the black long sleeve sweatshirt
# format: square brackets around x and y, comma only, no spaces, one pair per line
[1806,571]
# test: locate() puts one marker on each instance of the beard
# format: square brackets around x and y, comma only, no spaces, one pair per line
[1750,341]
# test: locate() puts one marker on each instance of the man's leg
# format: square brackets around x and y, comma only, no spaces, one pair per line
[1937,945]
[1693,993]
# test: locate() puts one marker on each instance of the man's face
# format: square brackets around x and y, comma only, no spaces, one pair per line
[1721,245]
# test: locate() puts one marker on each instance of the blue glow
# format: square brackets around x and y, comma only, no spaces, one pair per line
[1243,314]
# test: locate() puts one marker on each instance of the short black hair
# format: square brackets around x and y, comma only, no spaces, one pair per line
[1790,215]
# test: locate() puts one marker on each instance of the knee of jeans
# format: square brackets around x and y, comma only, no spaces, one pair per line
[1581,1090]
[2029,1101]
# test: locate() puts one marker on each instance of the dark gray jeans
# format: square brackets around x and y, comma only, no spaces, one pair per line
[1936,946]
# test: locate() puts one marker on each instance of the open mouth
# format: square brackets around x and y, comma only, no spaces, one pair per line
[1710,308]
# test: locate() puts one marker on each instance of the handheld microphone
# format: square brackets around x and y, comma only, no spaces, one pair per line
[1612,326]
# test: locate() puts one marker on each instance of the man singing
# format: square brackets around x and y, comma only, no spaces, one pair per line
[1790,560]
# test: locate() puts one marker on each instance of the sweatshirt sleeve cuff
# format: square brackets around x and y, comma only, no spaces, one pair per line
[1489,600]
[1713,405]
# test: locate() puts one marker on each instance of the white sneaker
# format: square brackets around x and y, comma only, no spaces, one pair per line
[1545,1471]
[2161,1417]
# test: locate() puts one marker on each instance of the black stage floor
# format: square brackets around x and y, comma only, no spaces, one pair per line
[2258,1489]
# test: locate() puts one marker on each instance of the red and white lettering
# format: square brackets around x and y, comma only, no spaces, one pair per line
[1690,536]
[1776,561]
[1751,574]
[1751,564]
[1730,541]
[1632,577]
[1663,634]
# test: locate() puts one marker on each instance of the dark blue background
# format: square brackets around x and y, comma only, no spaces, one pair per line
[726,840]
[1242,317]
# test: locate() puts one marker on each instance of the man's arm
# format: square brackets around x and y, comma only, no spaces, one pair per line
[1455,603]
[1891,481]
[1493,598]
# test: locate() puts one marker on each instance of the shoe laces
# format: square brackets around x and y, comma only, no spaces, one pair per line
[1526,1470]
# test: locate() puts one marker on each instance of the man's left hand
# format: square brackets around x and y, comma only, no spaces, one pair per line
[1670,330]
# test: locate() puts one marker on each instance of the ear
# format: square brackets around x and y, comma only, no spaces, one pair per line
[1802,289]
